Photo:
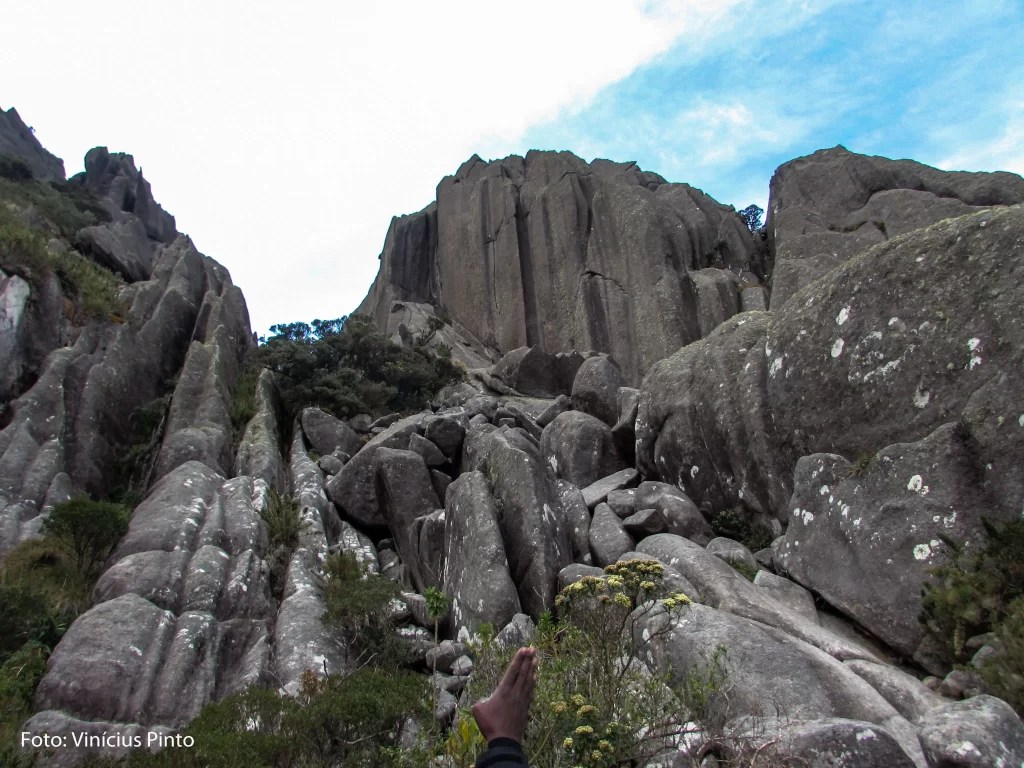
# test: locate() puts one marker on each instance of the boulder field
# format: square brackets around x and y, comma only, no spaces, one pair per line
[638,363]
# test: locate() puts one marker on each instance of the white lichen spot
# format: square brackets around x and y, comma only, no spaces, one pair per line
[135,649]
[776,366]
[837,348]
[916,484]
[974,362]
[922,398]
[966,748]
[1020,420]
[554,463]
[843,316]
[866,735]
[924,551]
[893,321]
[807,517]
[974,343]
[823,490]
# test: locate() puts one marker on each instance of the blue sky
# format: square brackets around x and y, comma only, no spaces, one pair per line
[942,83]
[284,137]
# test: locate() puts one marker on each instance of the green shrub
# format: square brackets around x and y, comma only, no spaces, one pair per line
[136,459]
[25,618]
[48,569]
[736,524]
[88,530]
[1004,672]
[94,290]
[23,250]
[358,607]
[283,516]
[342,720]
[978,591]
[14,168]
[243,402]
[596,702]
[345,367]
[19,676]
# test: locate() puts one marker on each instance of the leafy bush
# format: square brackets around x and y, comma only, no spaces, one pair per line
[358,605]
[971,593]
[283,516]
[345,367]
[736,524]
[49,570]
[19,676]
[23,250]
[982,591]
[243,402]
[596,702]
[342,720]
[14,168]
[751,216]
[135,460]
[87,529]
[24,618]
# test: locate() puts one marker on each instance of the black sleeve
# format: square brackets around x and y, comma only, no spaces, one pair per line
[502,753]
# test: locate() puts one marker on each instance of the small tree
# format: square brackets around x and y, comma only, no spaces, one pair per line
[751,216]
[88,529]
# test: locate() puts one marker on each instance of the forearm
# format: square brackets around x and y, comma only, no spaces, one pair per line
[502,753]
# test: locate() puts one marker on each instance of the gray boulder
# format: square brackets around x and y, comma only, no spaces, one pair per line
[518,633]
[406,493]
[444,655]
[476,572]
[431,453]
[624,429]
[561,404]
[573,573]
[122,246]
[447,432]
[681,515]
[836,742]
[757,657]
[580,449]
[622,502]
[353,489]
[981,731]
[595,387]
[732,552]
[911,698]
[608,539]
[829,206]
[578,517]
[331,465]
[723,587]
[788,593]
[865,539]
[534,525]
[327,435]
[646,522]
[597,492]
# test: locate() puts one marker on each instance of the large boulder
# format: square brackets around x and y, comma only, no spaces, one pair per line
[354,490]
[681,515]
[259,454]
[864,539]
[115,178]
[595,388]
[476,573]
[981,731]
[829,206]
[121,246]
[406,493]
[533,520]
[580,448]
[917,332]
[549,251]
[327,435]
[532,371]
[608,539]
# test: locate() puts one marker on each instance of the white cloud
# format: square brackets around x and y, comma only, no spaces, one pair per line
[1004,152]
[283,137]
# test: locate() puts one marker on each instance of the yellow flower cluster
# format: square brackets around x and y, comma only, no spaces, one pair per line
[605,745]
[586,709]
[623,600]
[676,600]
[583,730]
[567,744]
[577,700]
[558,706]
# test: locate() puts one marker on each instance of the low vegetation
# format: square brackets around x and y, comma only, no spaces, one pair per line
[135,461]
[346,367]
[92,291]
[737,524]
[283,516]
[45,584]
[979,591]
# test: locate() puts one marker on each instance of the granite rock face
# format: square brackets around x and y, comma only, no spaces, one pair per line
[551,251]
[17,139]
[832,205]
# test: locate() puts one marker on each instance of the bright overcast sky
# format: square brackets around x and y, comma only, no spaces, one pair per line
[284,136]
